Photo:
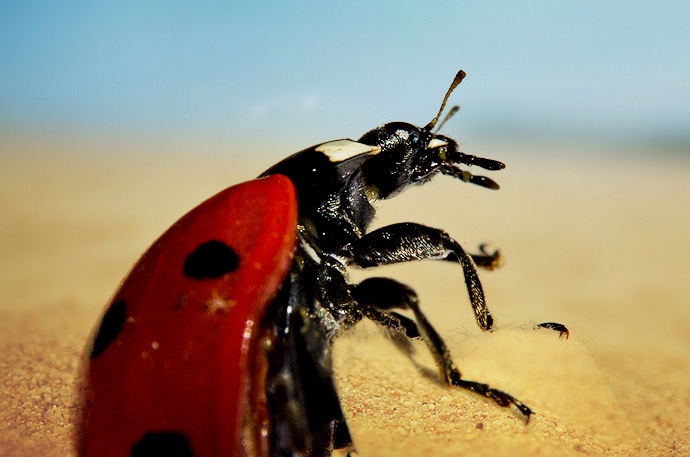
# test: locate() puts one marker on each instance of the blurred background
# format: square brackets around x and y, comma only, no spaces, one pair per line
[290,74]
[118,117]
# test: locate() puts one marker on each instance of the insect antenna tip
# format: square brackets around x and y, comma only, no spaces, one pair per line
[458,78]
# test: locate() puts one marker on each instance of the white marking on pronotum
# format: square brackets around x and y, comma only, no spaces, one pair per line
[436,143]
[340,150]
[311,252]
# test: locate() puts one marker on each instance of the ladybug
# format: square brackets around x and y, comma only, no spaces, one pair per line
[218,343]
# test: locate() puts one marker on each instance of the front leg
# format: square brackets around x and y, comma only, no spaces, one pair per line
[487,260]
[405,242]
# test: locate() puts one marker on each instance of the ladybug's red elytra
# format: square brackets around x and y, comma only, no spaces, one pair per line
[218,343]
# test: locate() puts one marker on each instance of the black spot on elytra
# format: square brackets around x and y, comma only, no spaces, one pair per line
[210,260]
[162,444]
[111,325]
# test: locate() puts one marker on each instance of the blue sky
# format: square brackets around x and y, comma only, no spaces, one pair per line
[310,71]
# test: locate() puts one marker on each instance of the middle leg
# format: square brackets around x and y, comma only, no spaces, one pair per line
[386,293]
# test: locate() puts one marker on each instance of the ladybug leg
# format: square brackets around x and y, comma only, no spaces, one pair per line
[399,328]
[342,438]
[487,260]
[397,322]
[556,327]
[405,242]
[386,293]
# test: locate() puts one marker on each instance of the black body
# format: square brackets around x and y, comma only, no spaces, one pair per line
[336,183]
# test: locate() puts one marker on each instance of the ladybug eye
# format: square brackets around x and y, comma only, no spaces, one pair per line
[436,143]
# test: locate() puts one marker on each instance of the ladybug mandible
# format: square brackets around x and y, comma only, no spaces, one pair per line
[218,343]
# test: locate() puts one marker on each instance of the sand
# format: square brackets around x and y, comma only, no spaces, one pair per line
[599,243]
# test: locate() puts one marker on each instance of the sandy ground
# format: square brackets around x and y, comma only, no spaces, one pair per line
[599,244]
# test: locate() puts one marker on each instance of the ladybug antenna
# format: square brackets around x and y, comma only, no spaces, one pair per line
[450,114]
[459,77]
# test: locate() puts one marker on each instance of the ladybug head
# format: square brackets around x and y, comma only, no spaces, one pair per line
[412,155]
